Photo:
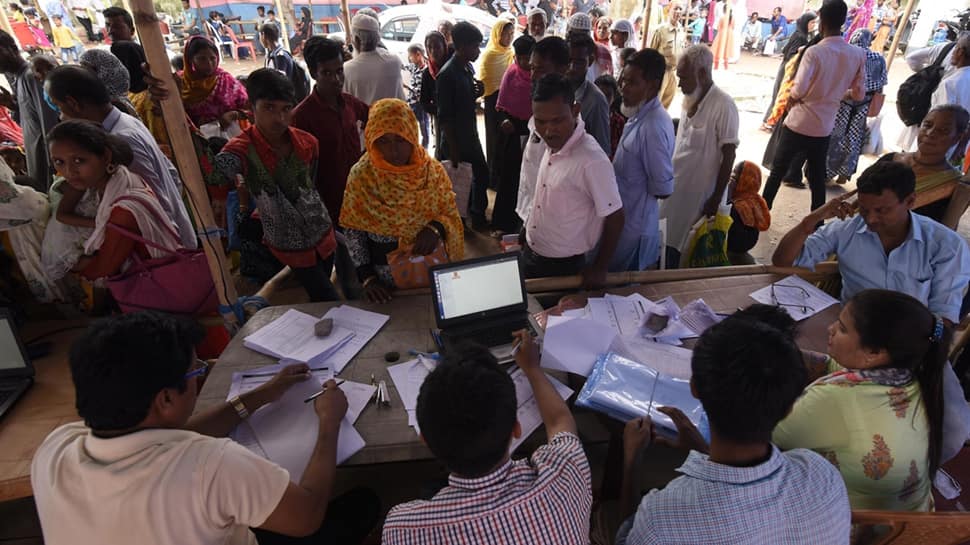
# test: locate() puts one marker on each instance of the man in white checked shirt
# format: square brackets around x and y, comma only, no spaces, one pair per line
[467,415]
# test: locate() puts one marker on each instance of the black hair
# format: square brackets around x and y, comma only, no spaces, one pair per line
[747,376]
[271,12]
[832,14]
[607,80]
[650,63]
[7,41]
[196,45]
[178,62]
[416,48]
[626,53]
[552,86]
[260,8]
[523,45]
[554,49]
[79,83]
[896,177]
[584,42]
[317,50]
[464,34]
[960,115]
[905,329]
[121,363]
[115,11]
[305,11]
[271,31]
[269,84]
[437,35]
[92,137]
[15,6]
[771,315]
[467,411]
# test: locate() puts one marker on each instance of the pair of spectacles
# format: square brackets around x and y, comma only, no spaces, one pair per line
[200,370]
[794,292]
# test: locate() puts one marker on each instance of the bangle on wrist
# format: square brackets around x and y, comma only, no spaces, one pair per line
[435,230]
[369,280]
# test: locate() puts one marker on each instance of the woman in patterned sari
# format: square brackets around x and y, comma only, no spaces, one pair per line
[875,408]
[397,197]
[209,93]
[849,133]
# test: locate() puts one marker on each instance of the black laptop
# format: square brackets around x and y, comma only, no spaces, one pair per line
[16,372]
[482,300]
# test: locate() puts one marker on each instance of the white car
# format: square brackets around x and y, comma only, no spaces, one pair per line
[402,26]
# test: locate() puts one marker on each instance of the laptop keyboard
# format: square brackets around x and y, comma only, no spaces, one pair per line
[497,336]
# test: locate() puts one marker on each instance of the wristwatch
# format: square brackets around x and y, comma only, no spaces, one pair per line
[241,409]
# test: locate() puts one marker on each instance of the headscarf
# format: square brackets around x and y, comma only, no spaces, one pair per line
[862,38]
[112,73]
[398,201]
[748,203]
[861,18]
[132,56]
[206,99]
[624,25]
[596,23]
[799,38]
[876,74]
[496,58]
[433,67]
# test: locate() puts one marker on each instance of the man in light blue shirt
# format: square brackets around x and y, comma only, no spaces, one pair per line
[886,245]
[643,166]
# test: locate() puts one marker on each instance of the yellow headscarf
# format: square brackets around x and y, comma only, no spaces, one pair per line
[750,206]
[398,201]
[194,88]
[496,58]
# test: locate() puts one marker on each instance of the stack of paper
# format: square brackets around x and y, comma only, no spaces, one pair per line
[291,337]
[409,376]
[286,431]
[800,298]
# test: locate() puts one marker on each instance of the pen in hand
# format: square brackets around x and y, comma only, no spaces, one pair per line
[320,393]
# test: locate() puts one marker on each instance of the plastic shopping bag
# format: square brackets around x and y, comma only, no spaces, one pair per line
[707,243]
[461,184]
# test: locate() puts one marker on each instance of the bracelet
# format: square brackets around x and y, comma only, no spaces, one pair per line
[369,280]
[435,230]
[241,409]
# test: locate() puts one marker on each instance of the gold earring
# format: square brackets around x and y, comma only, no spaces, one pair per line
[112,168]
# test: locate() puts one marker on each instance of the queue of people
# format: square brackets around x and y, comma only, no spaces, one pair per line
[343,188]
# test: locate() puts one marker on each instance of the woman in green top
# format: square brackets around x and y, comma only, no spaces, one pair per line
[878,413]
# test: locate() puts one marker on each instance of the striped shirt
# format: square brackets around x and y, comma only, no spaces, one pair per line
[796,497]
[545,499]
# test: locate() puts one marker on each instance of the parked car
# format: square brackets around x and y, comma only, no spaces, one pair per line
[402,26]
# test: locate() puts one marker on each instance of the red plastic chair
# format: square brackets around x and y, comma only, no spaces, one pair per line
[237,44]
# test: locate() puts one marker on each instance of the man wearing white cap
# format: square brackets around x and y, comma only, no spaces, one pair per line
[670,39]
[536,23]
[373,73]
[580,23]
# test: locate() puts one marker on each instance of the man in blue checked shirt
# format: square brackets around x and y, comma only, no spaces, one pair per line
[885,245]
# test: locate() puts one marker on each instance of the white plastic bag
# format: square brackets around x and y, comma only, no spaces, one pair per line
[461,184]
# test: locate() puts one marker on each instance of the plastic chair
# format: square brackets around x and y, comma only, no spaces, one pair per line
[237,44]
[909,528]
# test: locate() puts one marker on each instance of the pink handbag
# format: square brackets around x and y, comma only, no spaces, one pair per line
[178,283]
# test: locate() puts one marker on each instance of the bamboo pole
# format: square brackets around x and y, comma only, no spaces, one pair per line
[645,26]
[345,17]
[146,21]
[283,33]
[899,34]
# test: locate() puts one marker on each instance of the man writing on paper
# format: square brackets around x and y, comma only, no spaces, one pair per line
[885,246]
[141,469]
[467,414]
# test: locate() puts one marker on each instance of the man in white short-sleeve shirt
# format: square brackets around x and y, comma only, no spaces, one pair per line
[577,205]
[140,470]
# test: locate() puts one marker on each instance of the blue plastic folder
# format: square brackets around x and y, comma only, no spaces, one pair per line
[622,389]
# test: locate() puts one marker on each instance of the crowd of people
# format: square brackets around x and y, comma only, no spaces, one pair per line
[347,182]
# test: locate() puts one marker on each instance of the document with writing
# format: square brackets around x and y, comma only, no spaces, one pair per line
[292,336]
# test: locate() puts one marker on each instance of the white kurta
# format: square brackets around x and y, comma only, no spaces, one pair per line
[697,159]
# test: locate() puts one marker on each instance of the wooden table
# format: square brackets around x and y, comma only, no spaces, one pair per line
[388,437]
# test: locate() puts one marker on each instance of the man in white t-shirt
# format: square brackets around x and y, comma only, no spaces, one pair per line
[577,209]
[141,469]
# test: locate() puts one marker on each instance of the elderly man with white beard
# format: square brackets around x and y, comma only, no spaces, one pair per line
[642,162]
[707,140]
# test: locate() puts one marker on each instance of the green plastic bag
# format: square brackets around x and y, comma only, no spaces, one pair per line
[707,243]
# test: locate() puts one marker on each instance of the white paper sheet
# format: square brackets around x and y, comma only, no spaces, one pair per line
[670,360]
[574,345]
[698,316]
[798,297]
[292,336]
[528,412]
[362,323]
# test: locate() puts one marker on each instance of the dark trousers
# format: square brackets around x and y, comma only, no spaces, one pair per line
[537,266]
[350,518]
[478,200]
[422,117]
[86,23]
[493,139]
[815,149]
[507,194]
[316,280]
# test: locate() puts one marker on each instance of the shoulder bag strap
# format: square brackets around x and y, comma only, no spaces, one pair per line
[946,51]
[139,238]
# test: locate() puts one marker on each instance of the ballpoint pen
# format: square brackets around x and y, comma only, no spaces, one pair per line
[320,393]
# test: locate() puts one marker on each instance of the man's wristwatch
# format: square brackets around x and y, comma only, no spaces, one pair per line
[241,409]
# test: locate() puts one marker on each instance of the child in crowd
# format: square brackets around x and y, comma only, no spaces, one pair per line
[514,107]
[415,67]
[607,84]
[275,166]
[749,212]
[623,56]
[467,414]
[66,40]
[747,376]
[697,27]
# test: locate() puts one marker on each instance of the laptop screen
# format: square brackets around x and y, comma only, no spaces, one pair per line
[477,287]
[11,357]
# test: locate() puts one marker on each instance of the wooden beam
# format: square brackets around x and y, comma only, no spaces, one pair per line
[150,33]
[899,34]
[283,33]
[645,25]
[345,17]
